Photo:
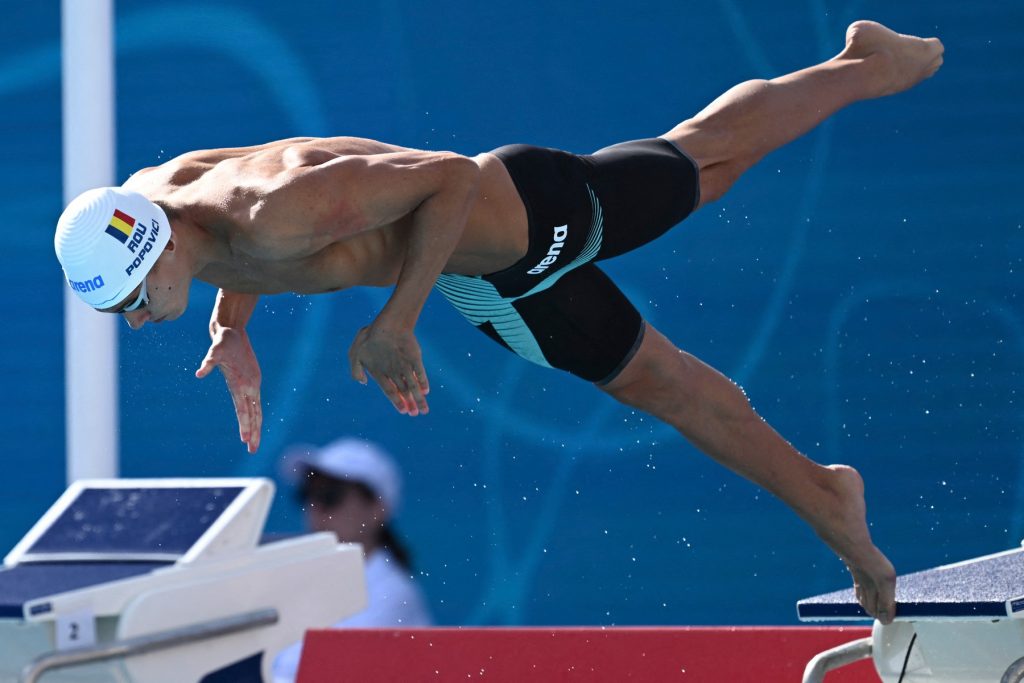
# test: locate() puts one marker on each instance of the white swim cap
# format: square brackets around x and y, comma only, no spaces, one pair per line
[107,240]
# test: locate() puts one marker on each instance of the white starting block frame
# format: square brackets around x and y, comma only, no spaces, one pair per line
[193,591]
[958,623]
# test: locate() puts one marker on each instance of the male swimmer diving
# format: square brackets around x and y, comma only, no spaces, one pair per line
[511,238]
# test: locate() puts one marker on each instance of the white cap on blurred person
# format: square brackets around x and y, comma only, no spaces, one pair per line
[348,459]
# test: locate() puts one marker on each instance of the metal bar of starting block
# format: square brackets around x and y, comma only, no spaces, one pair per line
[160,640]
[837,657]
[1015,672]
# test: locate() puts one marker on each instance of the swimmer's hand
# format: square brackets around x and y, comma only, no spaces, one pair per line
[392,358]
[233,354]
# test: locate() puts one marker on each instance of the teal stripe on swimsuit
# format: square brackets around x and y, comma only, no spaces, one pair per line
[479,301]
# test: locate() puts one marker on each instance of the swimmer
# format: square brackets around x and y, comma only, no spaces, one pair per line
[511,238]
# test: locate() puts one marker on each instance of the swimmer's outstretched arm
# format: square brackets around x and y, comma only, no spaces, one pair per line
[231,351]
[437,190]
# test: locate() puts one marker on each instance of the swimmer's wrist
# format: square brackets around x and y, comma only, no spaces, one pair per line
[388,324]
[219,328]
[392,318]
[232,310]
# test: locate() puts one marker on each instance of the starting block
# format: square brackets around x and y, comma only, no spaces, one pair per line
[957,623]
[165,581]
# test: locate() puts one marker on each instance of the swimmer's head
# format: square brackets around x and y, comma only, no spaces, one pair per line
[107,241]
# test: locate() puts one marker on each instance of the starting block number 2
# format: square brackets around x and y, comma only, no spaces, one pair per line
[76,630]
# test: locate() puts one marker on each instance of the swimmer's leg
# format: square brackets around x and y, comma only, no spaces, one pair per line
[714,414]
[753,118]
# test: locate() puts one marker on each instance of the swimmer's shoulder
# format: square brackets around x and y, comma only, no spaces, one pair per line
[308,151]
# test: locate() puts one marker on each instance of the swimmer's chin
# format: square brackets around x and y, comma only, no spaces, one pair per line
[155,320]
[170,315]
[165,318]
[174,315]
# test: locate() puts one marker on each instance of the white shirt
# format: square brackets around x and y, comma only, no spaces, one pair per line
[393,599]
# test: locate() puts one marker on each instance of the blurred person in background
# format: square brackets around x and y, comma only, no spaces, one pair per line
[352,488]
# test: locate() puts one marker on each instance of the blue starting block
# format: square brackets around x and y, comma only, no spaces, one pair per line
[165,581]
[955,623]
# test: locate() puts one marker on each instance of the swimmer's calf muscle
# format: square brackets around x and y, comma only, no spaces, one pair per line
[714,414]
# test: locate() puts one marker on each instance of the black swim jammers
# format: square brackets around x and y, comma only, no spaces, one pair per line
[554,306]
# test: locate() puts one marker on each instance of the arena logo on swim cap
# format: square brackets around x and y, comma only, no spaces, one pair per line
[89,285]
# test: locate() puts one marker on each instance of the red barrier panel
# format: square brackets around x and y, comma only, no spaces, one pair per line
[594,655]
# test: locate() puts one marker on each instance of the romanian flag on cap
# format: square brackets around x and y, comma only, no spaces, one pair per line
[121,226]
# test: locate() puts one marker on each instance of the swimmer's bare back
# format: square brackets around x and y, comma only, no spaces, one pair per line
[297,215]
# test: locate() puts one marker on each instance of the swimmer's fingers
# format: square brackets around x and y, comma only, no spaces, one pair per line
[207,366]
[232,353]
[355,366]
[403,400]
[390,389]
[249,410]
[421,377]
[412,376]
[392,360]
[362,371]
[409,385]
[245,394]
[412,388]
[397,391]
[358,372]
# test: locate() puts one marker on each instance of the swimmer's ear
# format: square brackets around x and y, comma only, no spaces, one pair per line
[170,242]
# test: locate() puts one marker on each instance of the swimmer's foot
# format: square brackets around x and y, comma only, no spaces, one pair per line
[898,61]
[843,526]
